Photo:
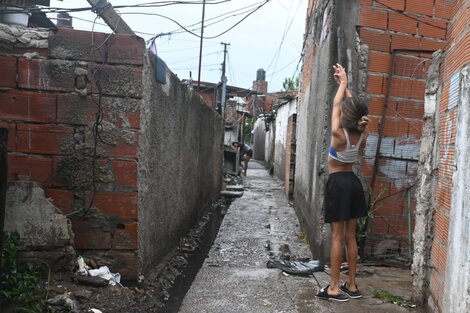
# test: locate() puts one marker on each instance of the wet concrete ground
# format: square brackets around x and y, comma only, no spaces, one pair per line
[234,277]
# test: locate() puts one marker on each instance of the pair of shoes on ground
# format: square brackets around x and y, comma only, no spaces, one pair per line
[342,297]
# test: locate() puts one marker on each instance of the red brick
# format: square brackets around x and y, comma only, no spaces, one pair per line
[123,149]
[11,144]
[92,234]
[71,44]
[444,8]
[429,27]
[375,84]
[409,109]
[365,2]
[392,4]
[123,205]
[402,23]
[46,75]
[125,173]
[42,139]
[38,169]
[8,77]
[376,105]
[433,45]
[395,127]
[125,237]
[28,106]
[374,125]
[373,18]
[405,42]
[410,66]
[376,40]
[73,109]
[425,7]
[407,88]
[391,206]
[379,62]
[126,49]
[441,226]
[63,199]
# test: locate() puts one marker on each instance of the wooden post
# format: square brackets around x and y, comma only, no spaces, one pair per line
[115,22]
[3,181]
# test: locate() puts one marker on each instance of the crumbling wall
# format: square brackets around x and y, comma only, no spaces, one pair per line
[46,234]
[180,163]
[71,102]
[426,184]
[330,34]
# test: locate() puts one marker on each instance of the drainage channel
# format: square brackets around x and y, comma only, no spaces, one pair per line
[195,260]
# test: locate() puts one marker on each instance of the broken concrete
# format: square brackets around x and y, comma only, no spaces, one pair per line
[45,233]
[422,239]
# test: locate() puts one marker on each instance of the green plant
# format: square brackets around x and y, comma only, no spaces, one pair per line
[388,296]
[22,286]
[362,226]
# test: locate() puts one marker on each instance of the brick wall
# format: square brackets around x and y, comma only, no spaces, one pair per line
[401,35]
[457,56]
[49,100]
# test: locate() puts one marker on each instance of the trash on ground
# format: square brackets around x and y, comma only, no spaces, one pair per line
[231,194]
[63,300]
[104,272]
[235,187]
[91,281]
[94,311]
[296,267]
[82,266]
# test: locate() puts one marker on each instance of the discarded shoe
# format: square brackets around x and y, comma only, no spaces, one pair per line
[323,294]
[351,294]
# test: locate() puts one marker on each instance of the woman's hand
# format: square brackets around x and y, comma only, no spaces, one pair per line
[340,74]
[362,123]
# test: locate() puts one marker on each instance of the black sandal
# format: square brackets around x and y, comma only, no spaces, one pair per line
[353,295]
[323,294]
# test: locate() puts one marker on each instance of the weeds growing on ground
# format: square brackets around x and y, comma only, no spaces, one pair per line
[388,296]
[24,286]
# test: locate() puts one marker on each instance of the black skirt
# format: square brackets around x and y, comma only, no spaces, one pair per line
[344,198]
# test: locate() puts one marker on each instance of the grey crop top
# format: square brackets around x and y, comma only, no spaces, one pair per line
[348,155]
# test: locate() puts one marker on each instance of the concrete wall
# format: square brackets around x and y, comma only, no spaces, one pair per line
[330,33]
[180,163]
[280,142]
[259,140]
[46,234]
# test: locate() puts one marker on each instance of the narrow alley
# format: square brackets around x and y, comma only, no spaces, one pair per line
[263,225]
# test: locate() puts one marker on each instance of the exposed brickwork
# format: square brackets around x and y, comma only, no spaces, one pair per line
[50,113]
[397,77]
[458,55]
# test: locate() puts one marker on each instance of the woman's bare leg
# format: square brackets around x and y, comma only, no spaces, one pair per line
[351,246]
[337,235]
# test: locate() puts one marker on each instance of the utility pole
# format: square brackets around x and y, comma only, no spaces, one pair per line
[200,46]
[224,80]
[105,10]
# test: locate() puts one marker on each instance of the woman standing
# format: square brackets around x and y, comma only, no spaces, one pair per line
[344,195]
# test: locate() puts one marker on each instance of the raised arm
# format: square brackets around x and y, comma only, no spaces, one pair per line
[342,79]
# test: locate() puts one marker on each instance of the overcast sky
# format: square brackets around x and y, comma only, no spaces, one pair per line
[270,38]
